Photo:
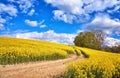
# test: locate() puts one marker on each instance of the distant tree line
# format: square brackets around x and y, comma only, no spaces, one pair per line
[115,49]
[95,40]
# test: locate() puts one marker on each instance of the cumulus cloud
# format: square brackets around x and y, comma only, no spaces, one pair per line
[109,41]
[70,18]
[31,23]
[52,36]
[60,15]
[80,8]
[24,5]
[31,12]
[105,23]
[9,9]
[99,5]
[47,36]
[12,8]
[72,6]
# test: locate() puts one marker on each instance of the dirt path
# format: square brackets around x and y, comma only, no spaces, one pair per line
[45,69]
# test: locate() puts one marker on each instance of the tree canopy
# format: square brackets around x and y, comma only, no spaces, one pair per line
[89,39]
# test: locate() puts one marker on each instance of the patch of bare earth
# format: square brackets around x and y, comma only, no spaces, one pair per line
[44,69]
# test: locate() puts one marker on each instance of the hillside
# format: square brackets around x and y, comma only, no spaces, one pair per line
[33,55]
[98,64]
[13,50]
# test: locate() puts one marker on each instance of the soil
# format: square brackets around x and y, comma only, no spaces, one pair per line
[42,69]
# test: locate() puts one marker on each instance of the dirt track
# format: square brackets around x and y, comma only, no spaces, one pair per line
[44,69]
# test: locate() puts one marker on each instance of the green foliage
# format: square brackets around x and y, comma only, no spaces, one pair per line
[87,39]
[114,49]
[98,65]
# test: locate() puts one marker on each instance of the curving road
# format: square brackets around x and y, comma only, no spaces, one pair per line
[44,69]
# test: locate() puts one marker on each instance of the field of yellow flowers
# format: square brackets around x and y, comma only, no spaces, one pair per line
[14,50]
[98,64]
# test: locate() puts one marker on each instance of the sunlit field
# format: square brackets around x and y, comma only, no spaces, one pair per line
[21,50]
[98,64]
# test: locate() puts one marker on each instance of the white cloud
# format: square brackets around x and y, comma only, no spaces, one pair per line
[118,33]
[79,8]
[41,22]
[47,36]
[60,15]
[31,12]
[31,23]
[43,26]
[79,31]
[72,6]
[9,9]
[99,5]
[1,26]
[69,18]
[21,31]
[116,9]
[105,23]
[109,41]
[12,8]
[2,21]
[57,37]
[24,5]
[35,23]
[67,9]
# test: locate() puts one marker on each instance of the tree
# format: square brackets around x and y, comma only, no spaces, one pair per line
[100,36]
[88,39]
[114,49]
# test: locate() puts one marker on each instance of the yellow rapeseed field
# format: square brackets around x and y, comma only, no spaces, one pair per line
[14,50]
[99,64]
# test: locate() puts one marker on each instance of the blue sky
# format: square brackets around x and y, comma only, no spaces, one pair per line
[59,20]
